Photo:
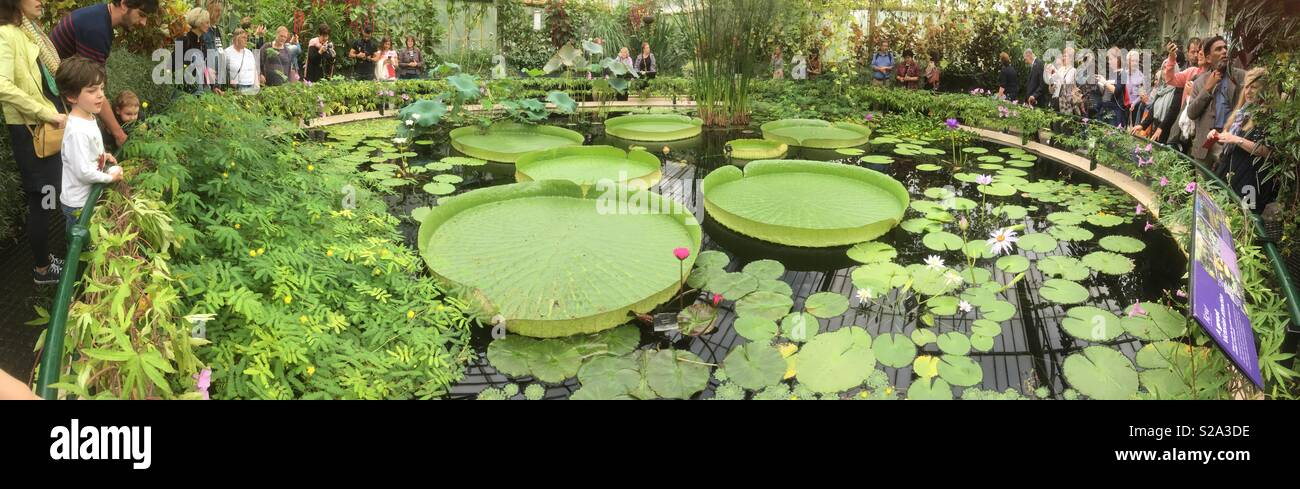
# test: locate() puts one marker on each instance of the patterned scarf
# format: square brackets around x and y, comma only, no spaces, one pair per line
[49,57]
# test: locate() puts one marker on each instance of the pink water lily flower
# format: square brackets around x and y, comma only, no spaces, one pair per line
[1140,209]
[1137,310]
[1180,293]
[682,253]
[716,299]
[1148,227]
[952,123]
[984,179]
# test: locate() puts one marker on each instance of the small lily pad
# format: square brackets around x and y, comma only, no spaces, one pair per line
[826,304]
[1070,233]
[1065,218]
[1092,324]
[923,336]
[960,370]
[877,159]
[756,329]
[799,327]
[929,389]
[872,252]
[1066,267]
[1108,263]
[1105,220]
[1100,372]
[1038,242]
[1013,264]
[928,167]
[764,269]
[754,366]
[767,305]
[942,241]
[1122,244]
[894,350]
[1063,291]
[954,343]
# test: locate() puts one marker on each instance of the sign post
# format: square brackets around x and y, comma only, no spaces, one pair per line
[1218,302]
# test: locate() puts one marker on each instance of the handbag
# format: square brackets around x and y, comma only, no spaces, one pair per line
[47,138]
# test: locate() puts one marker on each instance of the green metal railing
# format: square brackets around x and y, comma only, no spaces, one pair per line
[52,354]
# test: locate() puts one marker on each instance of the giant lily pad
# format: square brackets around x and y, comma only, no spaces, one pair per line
[805,203]
[653,127]
[836,361]
[601,167]
[542,254]
[507,141]
[757,149]
[1101,373]
[813,133]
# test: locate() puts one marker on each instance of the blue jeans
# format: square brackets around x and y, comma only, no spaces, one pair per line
[70,216]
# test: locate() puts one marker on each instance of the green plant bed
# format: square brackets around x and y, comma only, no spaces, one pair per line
[589,165]
[505,142]
[805,203]
[653,127]
[553,262]
[815,133]
[757,149]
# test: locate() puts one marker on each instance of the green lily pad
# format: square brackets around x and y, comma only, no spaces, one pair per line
[997,189]
[954,343]
[943,305]
[929,281]
[965,177]
[439,188]
[978,249]
[1070,233]
[754,366]
[764,269]
[609,376]
[998,311]
[985,327]
[775,286]
[928,167]
[942,241]
[939,193]
[981,343]
[926,206]
[877,159]
[1105,220]
[894,350]
[923,336]
[933,389]
[826,304]
[1012,172]
[712,259]
[1038,242]
[1012,211]
[921,225]
[963,204]
[1063,291]
[799,327]
[733,284]
[1165,383]
[1159,323]
[836,361]
[981,296]
[1066,267]
[1122,244]
[1108,263]
[1100,372]
[700,277]
[756,329]
[1065,218]
[872,252]
[906,151]
[974,150]
[850,151]
[1092,324]
[767,305]
[675,374]
[990,159]
[1018,163]
[463,161]
[1013,264]
[880,277]
[960,370]
[1011,151]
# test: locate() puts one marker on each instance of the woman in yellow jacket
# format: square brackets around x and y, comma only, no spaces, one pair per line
[26,99]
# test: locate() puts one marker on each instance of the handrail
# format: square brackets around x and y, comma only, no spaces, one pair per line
[52,354]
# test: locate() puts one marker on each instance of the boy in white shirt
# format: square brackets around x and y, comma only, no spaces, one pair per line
[81,84]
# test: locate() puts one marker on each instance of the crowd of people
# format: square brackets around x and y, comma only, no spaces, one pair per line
[1196,101]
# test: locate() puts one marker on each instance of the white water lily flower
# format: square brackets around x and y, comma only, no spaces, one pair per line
[399,140]
[415,117]
[984,180]
[964,306]
[410,122]
[865,295]
[933,262]
[952,278]
[1001,240]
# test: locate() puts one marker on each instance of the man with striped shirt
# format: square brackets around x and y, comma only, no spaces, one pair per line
[88,31]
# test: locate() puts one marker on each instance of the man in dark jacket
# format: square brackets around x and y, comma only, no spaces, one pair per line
[1035,88]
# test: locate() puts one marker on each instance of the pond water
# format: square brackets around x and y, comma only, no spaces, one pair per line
[1029,352]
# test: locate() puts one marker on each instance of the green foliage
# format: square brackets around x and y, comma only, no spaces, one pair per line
[311,291]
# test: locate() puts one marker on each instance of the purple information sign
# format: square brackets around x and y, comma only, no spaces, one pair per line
[1217,299]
